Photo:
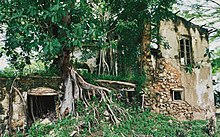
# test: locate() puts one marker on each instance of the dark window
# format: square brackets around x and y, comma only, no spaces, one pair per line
[177,94]
[185,51]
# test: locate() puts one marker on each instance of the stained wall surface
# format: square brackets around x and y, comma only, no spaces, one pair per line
[23,84]
[197,92]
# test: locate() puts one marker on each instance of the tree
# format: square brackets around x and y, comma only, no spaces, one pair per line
[50,31]
[204,12]
[133,18]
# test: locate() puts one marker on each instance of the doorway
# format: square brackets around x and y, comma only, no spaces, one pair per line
[41,103]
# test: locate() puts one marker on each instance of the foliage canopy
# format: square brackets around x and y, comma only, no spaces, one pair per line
[46,30]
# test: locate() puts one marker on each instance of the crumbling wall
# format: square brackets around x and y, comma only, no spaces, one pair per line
[159,99]
[23,84]
[168,73]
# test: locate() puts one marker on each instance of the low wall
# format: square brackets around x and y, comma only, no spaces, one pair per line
[23,84]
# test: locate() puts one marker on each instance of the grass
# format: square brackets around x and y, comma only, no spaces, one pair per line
[138,123]
[157,125]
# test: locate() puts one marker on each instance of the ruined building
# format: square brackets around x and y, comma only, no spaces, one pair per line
[180,77]
[179,80]
[27,98]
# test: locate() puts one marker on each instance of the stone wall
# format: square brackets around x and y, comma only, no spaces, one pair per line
[165,78]
[166,73]
[23,84]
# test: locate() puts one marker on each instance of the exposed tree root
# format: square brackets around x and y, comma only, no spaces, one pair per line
[10,108]
[87,86]
[78,89]
[116,121]
[22,98]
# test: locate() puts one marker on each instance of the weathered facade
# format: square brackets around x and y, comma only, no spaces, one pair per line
[180,81]
[175,87]
[26,102]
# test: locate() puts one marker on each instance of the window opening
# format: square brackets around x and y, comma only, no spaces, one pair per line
[177,94]
[185,51]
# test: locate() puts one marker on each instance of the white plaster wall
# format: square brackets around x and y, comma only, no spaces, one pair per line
[18,109]
[198,85]
[5,107]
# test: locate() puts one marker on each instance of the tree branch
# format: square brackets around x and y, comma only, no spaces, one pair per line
[215,2]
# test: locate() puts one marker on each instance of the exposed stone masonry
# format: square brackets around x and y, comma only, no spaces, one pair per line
[165,77]
[23,84]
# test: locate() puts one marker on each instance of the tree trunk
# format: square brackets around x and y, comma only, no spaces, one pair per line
[68,101]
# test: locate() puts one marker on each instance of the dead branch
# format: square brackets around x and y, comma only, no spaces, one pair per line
[117,82]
